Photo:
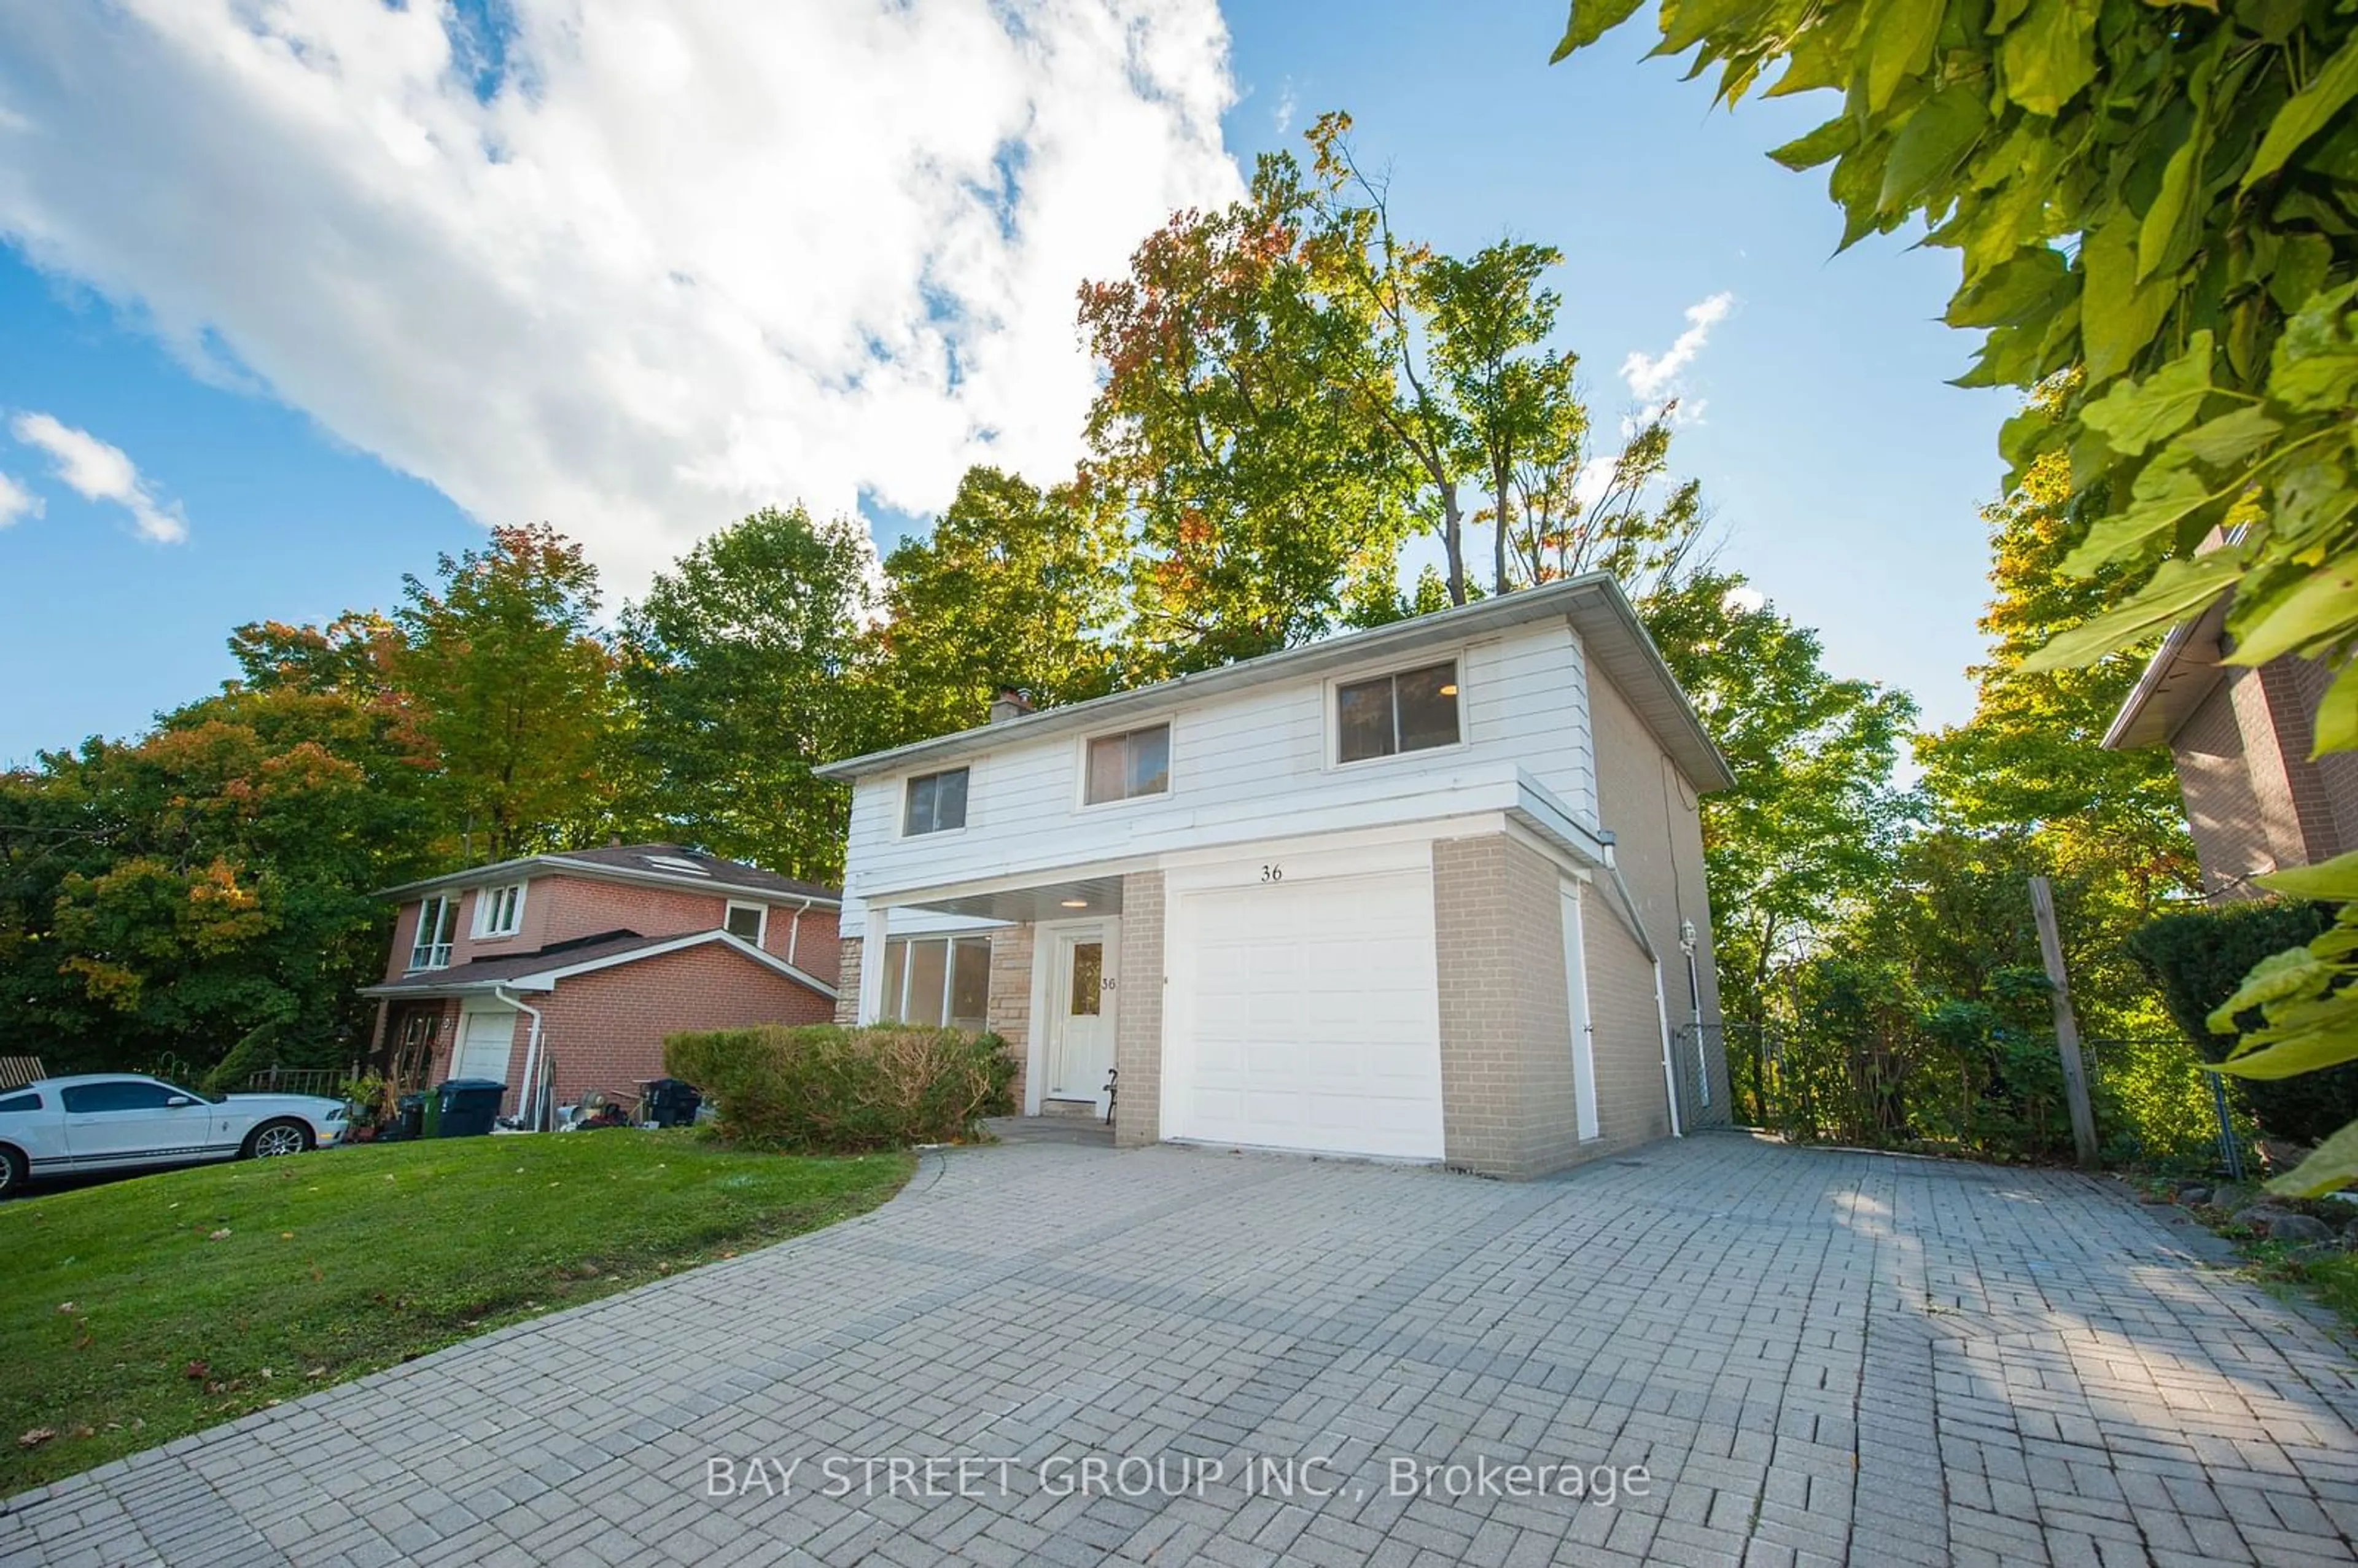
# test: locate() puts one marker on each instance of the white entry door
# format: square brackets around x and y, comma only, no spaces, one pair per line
[486,1036]
[1308,1016]
[1081,1015]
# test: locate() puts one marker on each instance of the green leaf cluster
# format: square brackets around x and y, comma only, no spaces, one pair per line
[2155,207]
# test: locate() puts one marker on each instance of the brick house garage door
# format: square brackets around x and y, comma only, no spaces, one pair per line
[1305,1015]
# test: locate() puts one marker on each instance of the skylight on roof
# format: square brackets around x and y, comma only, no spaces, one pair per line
[675,863]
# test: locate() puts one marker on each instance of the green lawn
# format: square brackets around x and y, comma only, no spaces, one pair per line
[134,1313]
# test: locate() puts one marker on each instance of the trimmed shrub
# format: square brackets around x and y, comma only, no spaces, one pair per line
[2199,958]
[824,1089]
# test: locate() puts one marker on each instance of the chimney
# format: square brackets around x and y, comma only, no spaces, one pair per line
[1010,703]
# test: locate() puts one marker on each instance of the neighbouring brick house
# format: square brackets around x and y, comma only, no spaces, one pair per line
[2241,738]
[1431,891]
[569,970]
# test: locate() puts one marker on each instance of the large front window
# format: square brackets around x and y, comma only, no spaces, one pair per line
[438,923]
[1411,710]
[938,980]
[1123,767]
[936,803]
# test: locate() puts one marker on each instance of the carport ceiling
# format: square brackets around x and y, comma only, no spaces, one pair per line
[1076,900]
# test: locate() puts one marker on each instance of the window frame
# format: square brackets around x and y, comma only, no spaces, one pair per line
[1170,728]
[445,908]
[894,1008]
[761,920]
[486,901]
[165,1094]
[1456,659]
[909,783]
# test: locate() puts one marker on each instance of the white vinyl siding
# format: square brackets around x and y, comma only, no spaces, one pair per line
[1256,762]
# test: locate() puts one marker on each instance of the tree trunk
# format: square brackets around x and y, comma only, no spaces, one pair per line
[1498,481]
[1453,541]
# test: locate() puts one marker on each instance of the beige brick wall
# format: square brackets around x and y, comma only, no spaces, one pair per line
[847,985]
[1655,817]
[2295,687]
[1138,1029]
[2255,801]
[2276,729]
[1627,1040]
[1507,1090]
[2231,840]
[1010,1013]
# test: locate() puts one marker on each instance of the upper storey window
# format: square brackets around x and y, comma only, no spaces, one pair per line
[1125,766]
[499,911]
[1408,711]
[438,923]
[936,803]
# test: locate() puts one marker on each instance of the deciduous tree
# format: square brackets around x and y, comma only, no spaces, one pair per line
[513,689]
[741,667]
[2162,200]
[1234,423]
[1012,585]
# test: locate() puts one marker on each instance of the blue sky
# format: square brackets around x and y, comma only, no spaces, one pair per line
[320,373]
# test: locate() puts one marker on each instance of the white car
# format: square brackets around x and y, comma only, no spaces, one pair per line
[126,1121]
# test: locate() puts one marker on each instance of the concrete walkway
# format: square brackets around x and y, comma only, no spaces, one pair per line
[1720,1351]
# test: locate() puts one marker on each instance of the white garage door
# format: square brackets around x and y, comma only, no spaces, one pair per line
[1309,1017]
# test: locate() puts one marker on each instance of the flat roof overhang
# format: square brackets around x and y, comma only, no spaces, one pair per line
[1067,891]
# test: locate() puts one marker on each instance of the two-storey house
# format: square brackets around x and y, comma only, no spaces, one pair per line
[1433,891]
[559,974]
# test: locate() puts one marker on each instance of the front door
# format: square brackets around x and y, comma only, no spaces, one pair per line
[1081,1017]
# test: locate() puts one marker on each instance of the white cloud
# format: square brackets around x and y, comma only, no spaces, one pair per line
[97,471]
[681,258]
[1288,105]
[1744,600]
[16,503]
[1653,379]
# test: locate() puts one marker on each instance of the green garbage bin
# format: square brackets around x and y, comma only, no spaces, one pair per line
[469,1107]
[430,1115]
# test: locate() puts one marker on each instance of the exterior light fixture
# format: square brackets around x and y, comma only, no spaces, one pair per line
[1077,904]
[1687,938]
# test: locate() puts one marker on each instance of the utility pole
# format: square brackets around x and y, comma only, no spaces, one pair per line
[2067,1027]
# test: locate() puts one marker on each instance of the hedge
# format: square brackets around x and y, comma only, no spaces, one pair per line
[2199,958]
[825,1088]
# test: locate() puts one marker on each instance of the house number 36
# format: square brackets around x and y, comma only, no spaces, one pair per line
[1273,873]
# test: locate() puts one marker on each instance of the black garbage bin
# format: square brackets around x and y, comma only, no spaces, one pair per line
[409,1119]
[669,1102]
[469,1106]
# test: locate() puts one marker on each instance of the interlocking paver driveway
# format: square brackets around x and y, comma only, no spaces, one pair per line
[1816,1355]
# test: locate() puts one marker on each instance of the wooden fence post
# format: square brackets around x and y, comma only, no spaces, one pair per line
[2067,1027]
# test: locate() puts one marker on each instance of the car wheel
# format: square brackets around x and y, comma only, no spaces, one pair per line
[274,1138]
[13,1173]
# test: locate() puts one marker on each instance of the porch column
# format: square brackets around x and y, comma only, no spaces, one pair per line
[871,964]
